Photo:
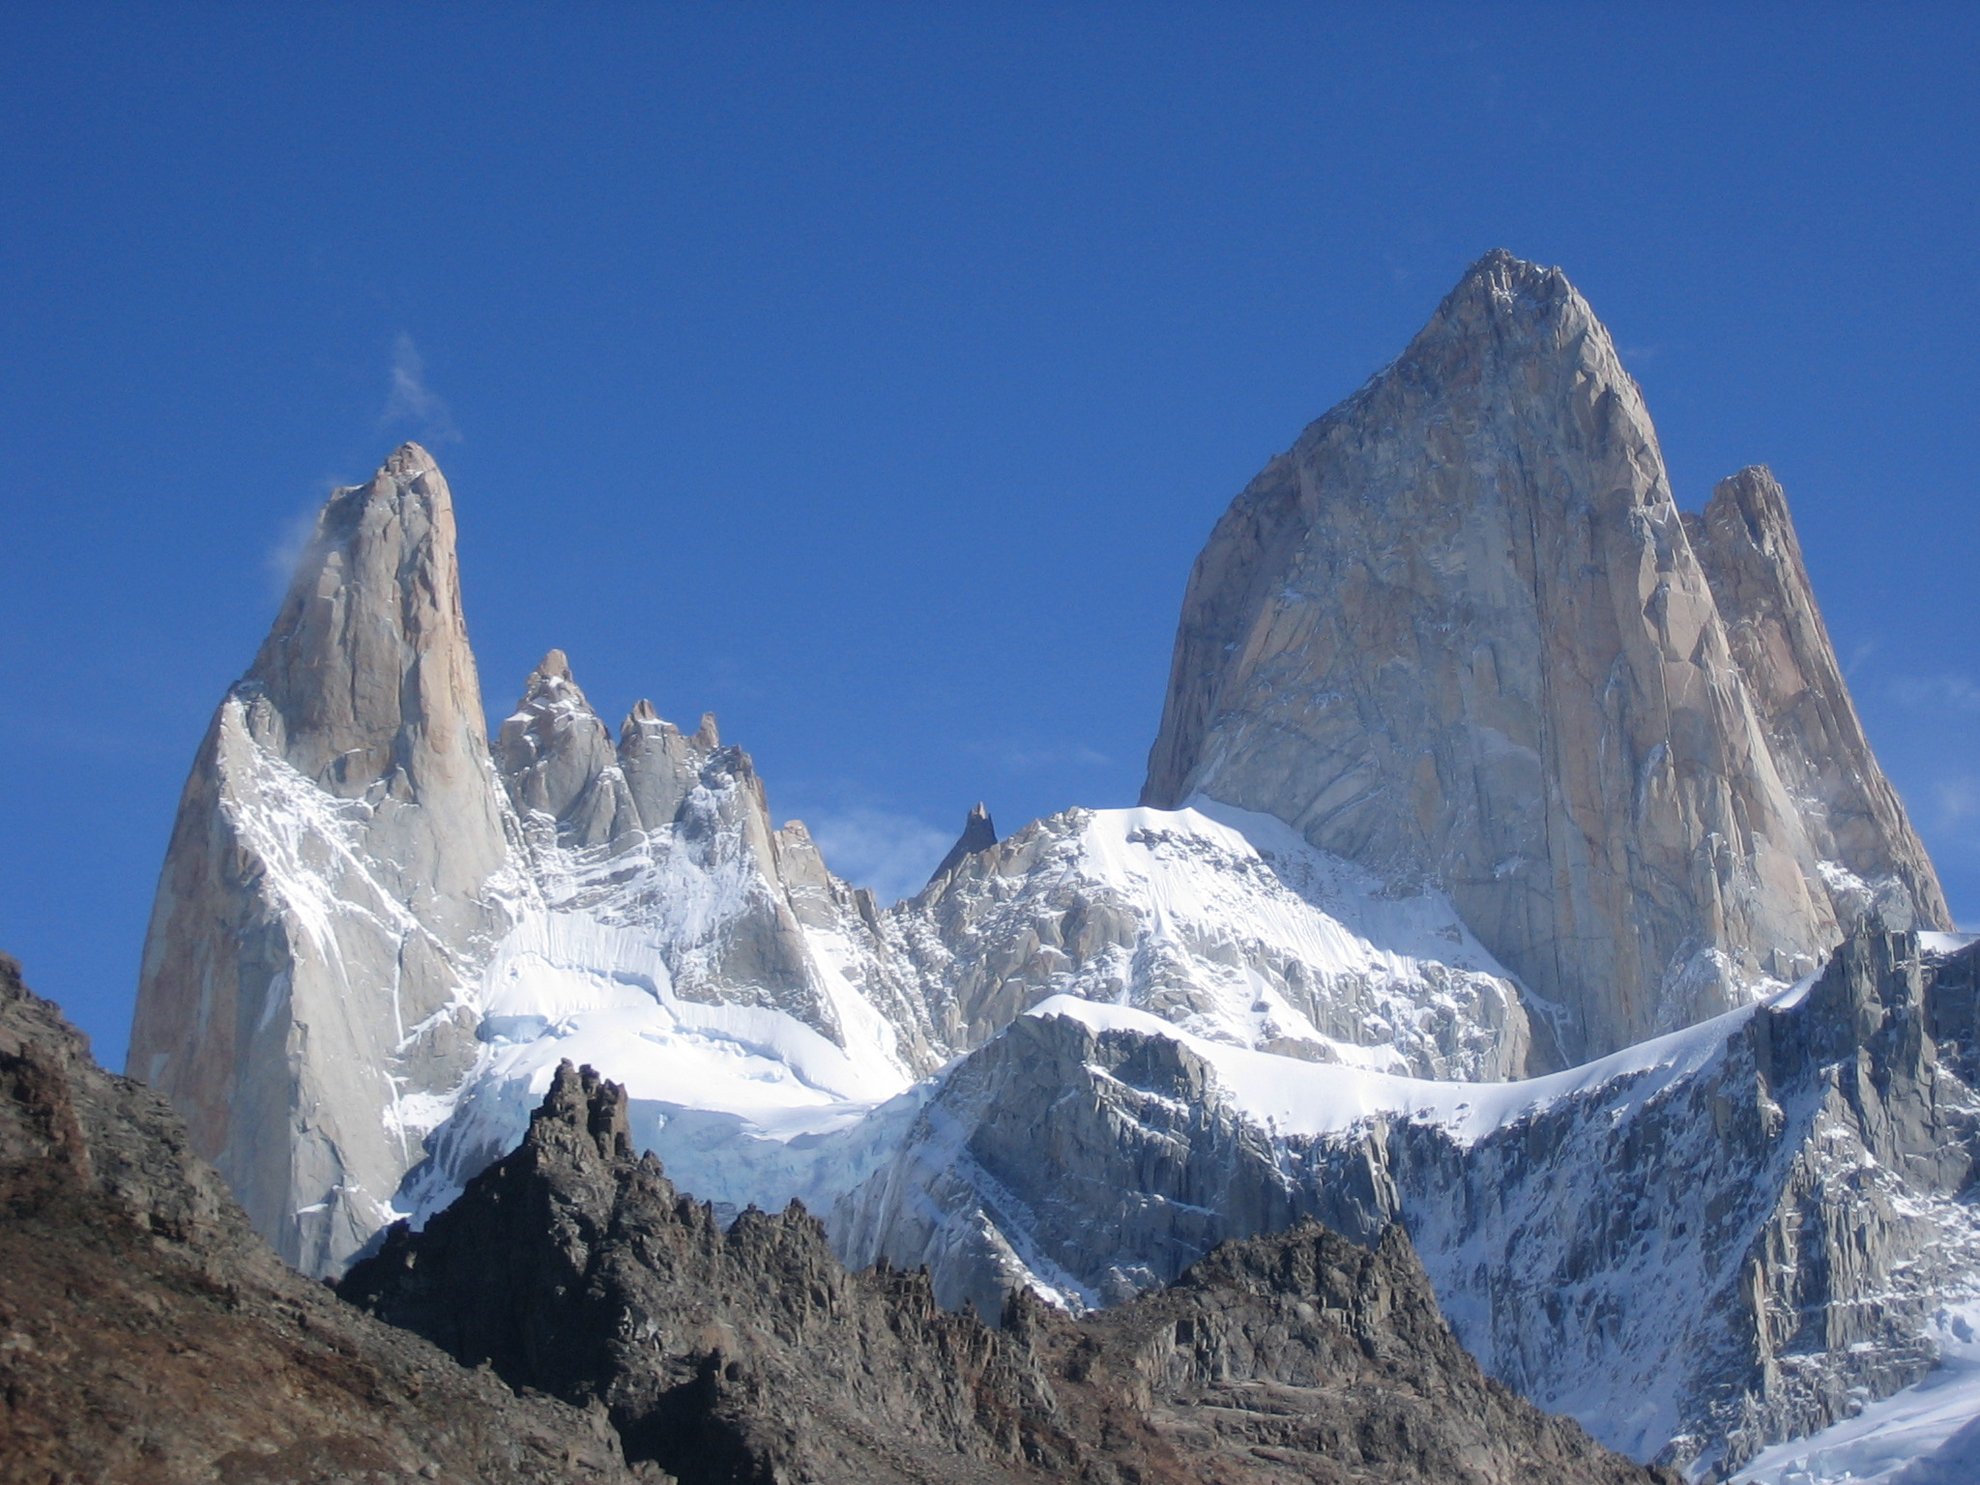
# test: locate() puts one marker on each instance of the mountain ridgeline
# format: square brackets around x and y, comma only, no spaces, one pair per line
[152,1338]
[1500,819]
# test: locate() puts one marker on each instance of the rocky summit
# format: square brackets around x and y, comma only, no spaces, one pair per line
[1512,870]
[339,861]
[1460,633]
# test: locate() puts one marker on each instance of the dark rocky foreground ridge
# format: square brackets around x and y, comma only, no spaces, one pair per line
[147,1334]
[575,1267]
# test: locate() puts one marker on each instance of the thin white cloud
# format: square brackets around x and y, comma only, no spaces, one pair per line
[1956,800]
[1941,693]
[285,552]
[412,401]
[892,853]
[279,561]
[1024,756]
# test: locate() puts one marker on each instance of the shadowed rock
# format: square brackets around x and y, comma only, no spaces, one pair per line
[573,1267]
[148,1337]
[978,834]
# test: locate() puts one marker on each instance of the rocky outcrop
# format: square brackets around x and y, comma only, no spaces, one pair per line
[1873,861]
[1458,634]
[1722,1238]
[978,834]
[1303,1356]
[746,994]
[625,825]
[148,1337]
[574,1267]
[341,863]
[557,759]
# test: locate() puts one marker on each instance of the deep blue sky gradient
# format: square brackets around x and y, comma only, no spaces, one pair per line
[871,375]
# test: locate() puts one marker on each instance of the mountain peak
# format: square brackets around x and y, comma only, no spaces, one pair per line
[554,665]
[366,688]
[1501,271]
[556,757]
[978,834]
[367,667]
[551,688]
[1874,865]
[408,461]
[1478,552]
[1504,298]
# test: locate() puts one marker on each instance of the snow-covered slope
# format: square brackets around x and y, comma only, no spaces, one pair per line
[750,1092]
[1927,1434]
[672,938]
[1224,923]
[1718,1238]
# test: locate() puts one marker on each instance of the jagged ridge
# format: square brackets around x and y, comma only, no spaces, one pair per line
[574,1266]
[148,1337]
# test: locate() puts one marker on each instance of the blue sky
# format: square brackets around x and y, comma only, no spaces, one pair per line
[871,375]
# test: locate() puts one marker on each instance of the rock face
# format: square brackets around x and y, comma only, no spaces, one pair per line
[574,1267]
[1458,634]
[1302,1356]
[978,835]
[367,917]
[1873,859]
[341,863]
[672,831]
[1720,1238]
[147,1335]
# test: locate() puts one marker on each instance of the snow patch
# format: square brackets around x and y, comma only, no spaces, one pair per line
[1928,1434]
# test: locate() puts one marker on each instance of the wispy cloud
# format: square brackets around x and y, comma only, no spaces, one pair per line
[292,539]
[1956,800]
[1941,693]
[412,401]
[892,853]
[1029,756]
[279,561]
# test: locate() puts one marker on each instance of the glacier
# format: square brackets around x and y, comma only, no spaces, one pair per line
[1511,864]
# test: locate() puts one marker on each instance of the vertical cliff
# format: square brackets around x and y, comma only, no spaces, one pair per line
[1747,545]
[1459,634]
[339,866]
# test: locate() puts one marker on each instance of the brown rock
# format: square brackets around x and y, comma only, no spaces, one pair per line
[751,1354]
[148,1337]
